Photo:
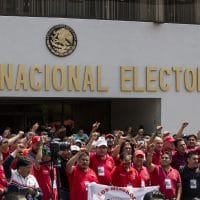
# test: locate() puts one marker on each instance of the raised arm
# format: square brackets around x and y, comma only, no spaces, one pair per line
[9,159]
[34,127]
[117,148]
[73,160]
[179,134]
[15,138]
[92,138]
[95,126]
[39,154]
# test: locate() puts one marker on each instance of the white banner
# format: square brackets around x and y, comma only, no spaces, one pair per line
[104,192]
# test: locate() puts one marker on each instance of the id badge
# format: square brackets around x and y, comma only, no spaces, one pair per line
[168,184]
[86,185]
[193,184]
[101,171]
[142,183]
[54,184]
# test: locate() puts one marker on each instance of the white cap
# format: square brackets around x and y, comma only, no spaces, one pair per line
[166,133]
[101,142]
[74,148]
[78,141]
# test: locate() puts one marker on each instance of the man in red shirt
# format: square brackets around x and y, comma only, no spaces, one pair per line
[3,180]
[6,143]
[36,143]
[44,170]
[143,173]
[165,176]
[168,144]
[124,175]
[80,175]
[180,156]
[191,141]
[101,162]
[158,142]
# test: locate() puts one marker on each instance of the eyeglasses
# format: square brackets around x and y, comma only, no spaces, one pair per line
[165,158]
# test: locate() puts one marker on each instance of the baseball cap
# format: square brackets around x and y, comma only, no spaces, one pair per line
[35,139]
[74,148]
[109,135]
[139,153]
[101,142]
[169,138]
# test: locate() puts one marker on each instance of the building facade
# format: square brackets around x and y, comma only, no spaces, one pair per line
[119,62]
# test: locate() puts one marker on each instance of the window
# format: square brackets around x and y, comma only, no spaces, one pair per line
[171,11]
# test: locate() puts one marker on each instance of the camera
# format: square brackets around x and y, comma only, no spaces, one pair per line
[55,146]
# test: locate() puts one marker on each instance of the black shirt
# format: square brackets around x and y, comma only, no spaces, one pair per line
[190,183]
[63,176]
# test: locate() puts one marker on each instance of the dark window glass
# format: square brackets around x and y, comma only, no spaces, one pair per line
[171,11]
[180,11]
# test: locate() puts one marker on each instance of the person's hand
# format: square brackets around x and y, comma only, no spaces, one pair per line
[122,139]
[6,133]
[133,141]
[185,124]
[35,127]
[21,133]
[159,128]
[29,135]
[95,126]
[32,191]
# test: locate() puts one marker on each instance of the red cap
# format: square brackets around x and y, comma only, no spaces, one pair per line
[35,139]
[139,153]
[25,152]
[109,135]
[169,138]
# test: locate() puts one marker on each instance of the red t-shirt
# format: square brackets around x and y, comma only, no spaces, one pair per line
[44,180]
[6,154]
[122,178]
[144,177]
[102,168]
[166,180]
[78,180]
[156,157]
[3,180]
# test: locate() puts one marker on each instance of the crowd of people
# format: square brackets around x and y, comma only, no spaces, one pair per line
[49,164]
